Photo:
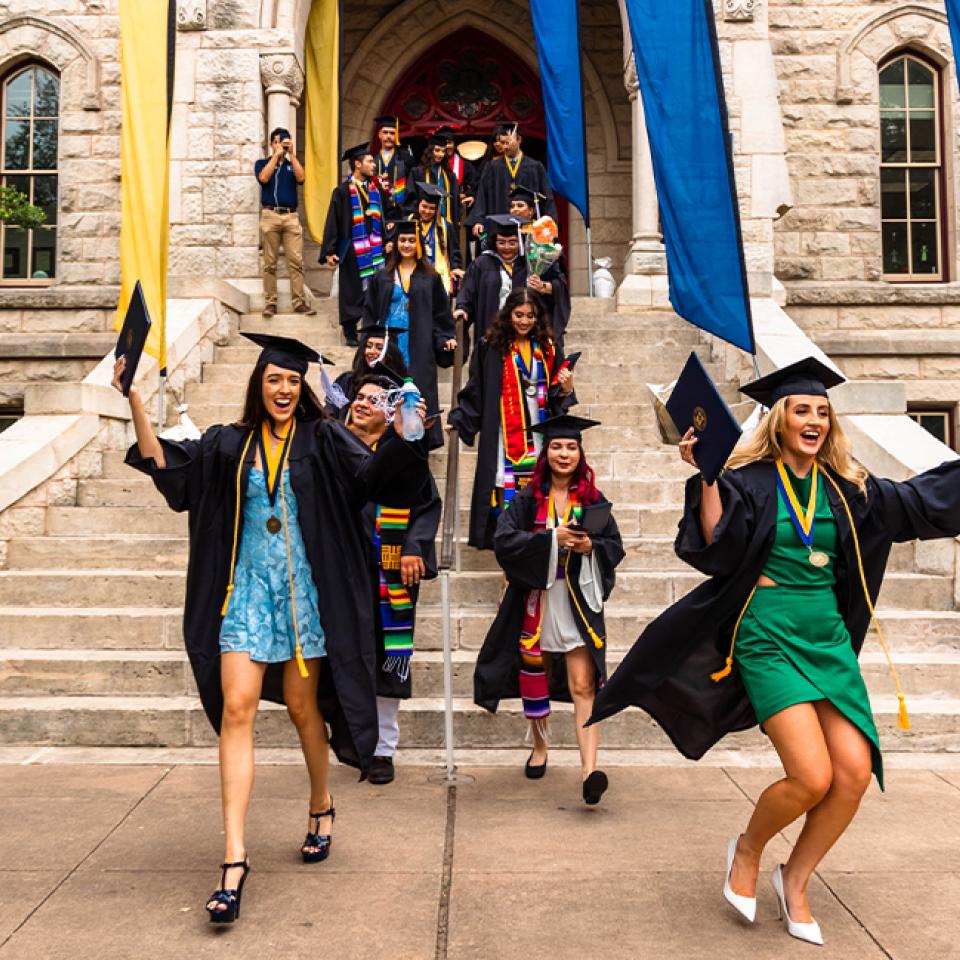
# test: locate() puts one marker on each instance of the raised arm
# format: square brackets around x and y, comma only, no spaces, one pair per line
[150,447]
[925,507]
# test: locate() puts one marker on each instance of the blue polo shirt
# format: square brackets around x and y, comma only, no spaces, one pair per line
[281,189]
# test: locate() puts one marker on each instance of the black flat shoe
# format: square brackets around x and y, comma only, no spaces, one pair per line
[381,771]
[534,773]
[230,898]
[321,841]
[594,787]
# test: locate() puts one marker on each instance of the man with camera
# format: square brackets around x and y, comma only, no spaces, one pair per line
[279,175]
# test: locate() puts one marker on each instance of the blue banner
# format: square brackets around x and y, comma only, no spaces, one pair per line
[953,19]
[678,67]
[556,28]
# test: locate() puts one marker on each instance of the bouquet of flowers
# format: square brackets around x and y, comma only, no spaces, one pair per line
[542,247]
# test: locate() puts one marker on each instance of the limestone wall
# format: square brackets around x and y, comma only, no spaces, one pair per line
[826,57]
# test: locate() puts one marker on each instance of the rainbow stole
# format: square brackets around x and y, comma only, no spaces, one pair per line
[399,184]
[368,248]
[396,605]
[534,689]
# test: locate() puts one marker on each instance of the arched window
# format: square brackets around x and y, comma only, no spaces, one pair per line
[31,107]
[911,170]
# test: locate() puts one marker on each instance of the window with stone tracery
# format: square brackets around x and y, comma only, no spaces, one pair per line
[911,169]
[31,107]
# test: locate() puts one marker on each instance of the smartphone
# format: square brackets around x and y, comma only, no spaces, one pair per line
[434,415]
[570,362]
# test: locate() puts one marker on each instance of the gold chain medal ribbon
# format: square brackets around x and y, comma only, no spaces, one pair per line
[803,520]
[272,460]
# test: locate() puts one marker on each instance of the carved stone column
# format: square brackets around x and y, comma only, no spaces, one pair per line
[191,14]
[646,264]
[282,79]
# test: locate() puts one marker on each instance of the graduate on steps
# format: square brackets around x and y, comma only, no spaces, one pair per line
[795,538]
[276,553]
[373,343]
[439,239]
[406,302]
[462,169]
[517,380]
[393,161]
[403,553]
[434,168]
[548,641]
[360,210]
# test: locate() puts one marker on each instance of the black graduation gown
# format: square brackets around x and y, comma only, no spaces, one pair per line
[667,671]
[333,475]
[479,294]
[478,411]
[419,175]
[493,192]
[431,326]
[338,233]
[454,255]
[420,541]
[525,558]
[399,168]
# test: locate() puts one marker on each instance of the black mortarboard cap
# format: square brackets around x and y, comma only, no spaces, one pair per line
[564,427]
[504,225]
[355,153]
[385,121]
[380,369]
[808,377]
[447,132]
[432,192]
[437,139]
[379,329]
[405,228]
[520,192]
[286,352]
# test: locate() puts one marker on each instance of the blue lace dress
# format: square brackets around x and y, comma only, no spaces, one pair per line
[399,316]
[258,620]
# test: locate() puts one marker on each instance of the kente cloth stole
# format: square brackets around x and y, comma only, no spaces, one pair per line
[435,244]
[369,249]
[385,168]
[519,446]
[396,606]
[534,690]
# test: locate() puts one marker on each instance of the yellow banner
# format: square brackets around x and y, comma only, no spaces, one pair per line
[146,78]
[322,165]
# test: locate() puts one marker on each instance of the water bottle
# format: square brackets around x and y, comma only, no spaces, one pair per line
[410,419]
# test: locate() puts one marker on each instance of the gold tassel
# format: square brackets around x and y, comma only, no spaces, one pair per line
[903,718]
[226,600]
[301,665]
[725,672]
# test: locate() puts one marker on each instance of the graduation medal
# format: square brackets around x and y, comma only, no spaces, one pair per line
[272,460]
[514,168]
[803,520]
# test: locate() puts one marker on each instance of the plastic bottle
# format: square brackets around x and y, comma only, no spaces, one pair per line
[410,419]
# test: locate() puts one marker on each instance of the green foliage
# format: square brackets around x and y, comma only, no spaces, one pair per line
[17,211]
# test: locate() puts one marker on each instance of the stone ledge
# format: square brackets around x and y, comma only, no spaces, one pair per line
[59,298]
[29,346]
[845,293]
[869,343]
[212,288]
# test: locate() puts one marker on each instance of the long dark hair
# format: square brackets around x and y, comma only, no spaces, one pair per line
[582,483]
[393,259]
[255,413]
[393,359]
[501,334]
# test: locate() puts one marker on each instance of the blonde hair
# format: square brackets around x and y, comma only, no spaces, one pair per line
[764,444]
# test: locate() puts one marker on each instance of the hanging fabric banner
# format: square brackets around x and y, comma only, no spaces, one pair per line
[953,19]
[321,150]
[678,68]
[556,29]
[147,47]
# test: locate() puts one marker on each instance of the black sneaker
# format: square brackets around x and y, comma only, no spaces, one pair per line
[381,771]
[351,339]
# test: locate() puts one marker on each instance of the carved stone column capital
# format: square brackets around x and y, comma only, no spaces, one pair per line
[191,14]
[739,9]
[630,80]
[280,72]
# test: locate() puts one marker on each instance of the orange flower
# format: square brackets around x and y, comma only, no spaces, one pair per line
[544,230]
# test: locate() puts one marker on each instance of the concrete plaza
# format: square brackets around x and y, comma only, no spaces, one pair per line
[114,860]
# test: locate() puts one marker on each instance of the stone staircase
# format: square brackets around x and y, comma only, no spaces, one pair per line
[91,649]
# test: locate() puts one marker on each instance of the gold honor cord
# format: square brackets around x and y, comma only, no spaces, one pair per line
[513,167]
[802,521]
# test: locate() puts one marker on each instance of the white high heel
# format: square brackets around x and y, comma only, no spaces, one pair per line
[745,906]
[810,932]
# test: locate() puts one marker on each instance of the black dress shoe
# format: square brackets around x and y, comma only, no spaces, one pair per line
[594,787]
[534,773]
[350,338]
[381,771]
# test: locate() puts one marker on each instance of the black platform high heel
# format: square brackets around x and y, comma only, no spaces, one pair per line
[321,841]
[230,898]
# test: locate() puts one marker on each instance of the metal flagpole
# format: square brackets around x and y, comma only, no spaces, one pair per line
[161,399]
[447,669]
[590,261]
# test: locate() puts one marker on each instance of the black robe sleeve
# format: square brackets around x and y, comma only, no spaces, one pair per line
[724,555]
[469,291]
[376,298]
[467,415]
[454,254]
[444,328]
[523,556]
[421,537]
[608,549]
[923,508]
[558,301]
[181,481]
[331,229]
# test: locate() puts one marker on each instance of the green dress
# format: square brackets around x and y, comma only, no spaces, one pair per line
[793,646]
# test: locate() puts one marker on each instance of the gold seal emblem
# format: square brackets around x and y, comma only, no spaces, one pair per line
[699,418]
[274,525]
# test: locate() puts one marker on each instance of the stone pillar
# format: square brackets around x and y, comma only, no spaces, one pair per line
[282,78]
[645,269]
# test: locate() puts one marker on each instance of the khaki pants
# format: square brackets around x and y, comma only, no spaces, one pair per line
[274,228]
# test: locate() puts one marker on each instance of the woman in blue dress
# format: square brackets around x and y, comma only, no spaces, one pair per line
[273,609]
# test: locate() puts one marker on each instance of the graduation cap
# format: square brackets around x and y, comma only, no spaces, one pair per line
[379,329]
[286,352]
[505,225]
[530,197]
[380,369]
[808,377]
[356,153]
[447,131]
[385,121]
[431,192]
[437,139]
[406,228]
[564,427]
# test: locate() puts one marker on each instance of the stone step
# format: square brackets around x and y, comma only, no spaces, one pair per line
[152,673]
[117,521]
[99,552]
[103,628]
[179,721]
